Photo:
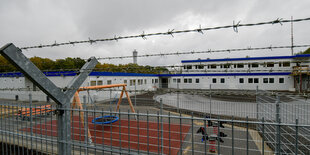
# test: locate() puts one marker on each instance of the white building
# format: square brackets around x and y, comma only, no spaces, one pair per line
[280,73]
[12,84]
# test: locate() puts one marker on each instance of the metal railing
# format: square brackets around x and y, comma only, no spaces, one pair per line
[158,128]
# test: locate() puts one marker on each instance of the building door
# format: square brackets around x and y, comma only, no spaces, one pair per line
[164,83]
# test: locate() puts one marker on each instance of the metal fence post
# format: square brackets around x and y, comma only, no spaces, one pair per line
[63,128]
[110,97]
[296,137]
[278,138]
[85,124]
[257,106]
[61,96]
[30,119]
[210,100]
[178,99]
[135,92]
[162,126]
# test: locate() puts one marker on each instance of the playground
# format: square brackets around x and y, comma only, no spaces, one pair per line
[140,129]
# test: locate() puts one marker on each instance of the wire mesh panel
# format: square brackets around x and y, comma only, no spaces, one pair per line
[161,124]
[21,127]
[284,109]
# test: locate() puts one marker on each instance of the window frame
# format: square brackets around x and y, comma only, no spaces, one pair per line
[222,80]
[214,80]
[241,80]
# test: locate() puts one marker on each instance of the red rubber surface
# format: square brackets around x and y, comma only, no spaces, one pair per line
[102,134]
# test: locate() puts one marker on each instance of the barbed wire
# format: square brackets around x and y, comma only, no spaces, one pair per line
[169,32]
[208,51]
[194,64]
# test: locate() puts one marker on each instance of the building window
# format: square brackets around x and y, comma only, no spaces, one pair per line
[256,80]
[213,66]
[197,80]
[174,80]
[240,66]
[189,80]
[214,80]
[188,67]
[125,81]
[179,80]
[99,83]
[92,83]
[226,65]
[33,86]
[271,80]
[281,80]
[241,80]
[286,64]
[265,80]
[254,65]
[250,80]
[222,80]
[185,80]
[109,82]
[156,80]
[199,66]
[270,64]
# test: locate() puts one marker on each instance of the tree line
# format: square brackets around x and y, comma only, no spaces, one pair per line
[69,64]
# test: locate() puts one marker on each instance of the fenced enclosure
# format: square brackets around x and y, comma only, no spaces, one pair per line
[165,121]
[159,126]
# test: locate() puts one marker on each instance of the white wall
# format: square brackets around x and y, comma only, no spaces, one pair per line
[232,82]
[14,83]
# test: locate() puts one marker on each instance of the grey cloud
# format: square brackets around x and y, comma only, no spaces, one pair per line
[27,23]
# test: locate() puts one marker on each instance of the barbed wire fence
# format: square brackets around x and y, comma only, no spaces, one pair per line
[91,113]
[199,52]
[171,32]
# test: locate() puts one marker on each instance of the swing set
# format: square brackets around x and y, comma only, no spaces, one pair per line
[77,102]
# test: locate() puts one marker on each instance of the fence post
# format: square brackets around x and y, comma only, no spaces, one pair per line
[210,98]
[257,106]
[61,96]
[110,97]
[178,101]
[296,137]
[85,124]
[278,135]
[30,120]
[135,92]
[162,126]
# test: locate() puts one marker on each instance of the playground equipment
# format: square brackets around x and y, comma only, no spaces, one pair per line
[109,119]
[26,113]
[215,136]
[105,120]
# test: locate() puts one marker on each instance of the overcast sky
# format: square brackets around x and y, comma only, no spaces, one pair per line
[34,22]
